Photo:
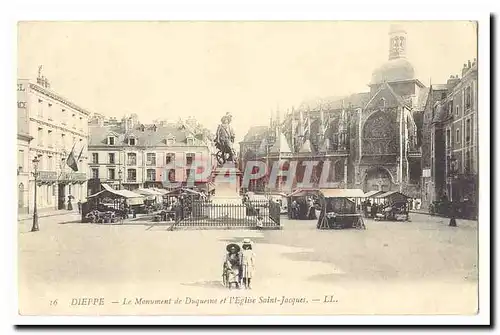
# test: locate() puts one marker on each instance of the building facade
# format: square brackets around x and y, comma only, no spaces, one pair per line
[370,140]
[130,155]
[454,152]
[49,128]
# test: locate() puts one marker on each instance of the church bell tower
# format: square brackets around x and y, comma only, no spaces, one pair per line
[397,38]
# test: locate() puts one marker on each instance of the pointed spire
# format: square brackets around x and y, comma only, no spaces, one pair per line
[301,122]
[306,147]
[281,144]
[322,117]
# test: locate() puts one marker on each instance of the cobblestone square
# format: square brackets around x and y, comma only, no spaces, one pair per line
[419,267]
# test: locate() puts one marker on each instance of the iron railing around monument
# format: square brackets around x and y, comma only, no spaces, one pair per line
[249,214]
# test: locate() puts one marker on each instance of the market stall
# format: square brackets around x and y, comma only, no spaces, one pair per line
[371,203]
[110,205]
[393,206]
[300,203]
[339,209]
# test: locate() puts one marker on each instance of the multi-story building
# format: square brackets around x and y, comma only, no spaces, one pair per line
[50,127]
[369,140]
[130,155]
[453,147]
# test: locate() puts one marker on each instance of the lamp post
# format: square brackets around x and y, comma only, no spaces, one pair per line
[35,213]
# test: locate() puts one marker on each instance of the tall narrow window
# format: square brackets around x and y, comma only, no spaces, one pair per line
[40,136]
[151,175]
[169,158]
[111,174]
[457,137]
[20,160]
[49,139]
[131,158]
[467,131]
[132,175]
[95,158]
[468,97]
[151,159]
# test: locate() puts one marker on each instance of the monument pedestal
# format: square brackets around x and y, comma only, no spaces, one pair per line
[227,186]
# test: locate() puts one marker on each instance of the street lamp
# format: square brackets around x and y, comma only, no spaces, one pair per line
[35,213]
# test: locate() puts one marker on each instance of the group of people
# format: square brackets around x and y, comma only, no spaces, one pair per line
[239,265]
[309,206]
[415,204]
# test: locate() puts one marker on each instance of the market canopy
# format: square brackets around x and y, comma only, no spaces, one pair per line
[109,192]
[393,194]
[373,194]
[147,192]
[302,192]
[342,193]
[160,190]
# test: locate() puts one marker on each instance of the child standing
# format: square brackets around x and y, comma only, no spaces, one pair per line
[247,263]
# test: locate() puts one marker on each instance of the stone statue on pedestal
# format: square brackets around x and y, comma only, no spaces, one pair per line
[224,139]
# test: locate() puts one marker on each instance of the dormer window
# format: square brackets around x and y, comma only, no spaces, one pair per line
[142,128]
[154,128]
[111,140]
[190,140]
[170,140]
[131,141]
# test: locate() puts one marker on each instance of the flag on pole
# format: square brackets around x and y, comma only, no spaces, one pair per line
[80,154]
[71,161]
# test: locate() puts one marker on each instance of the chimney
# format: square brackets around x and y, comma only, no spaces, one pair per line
[452,81]
[469,64]
[474,62]
[464,70]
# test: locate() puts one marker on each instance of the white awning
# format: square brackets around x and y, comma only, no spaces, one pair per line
[342,193]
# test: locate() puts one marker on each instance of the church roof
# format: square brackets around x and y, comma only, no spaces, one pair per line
[331,103]
[422,99]
[255,133]
[263,147]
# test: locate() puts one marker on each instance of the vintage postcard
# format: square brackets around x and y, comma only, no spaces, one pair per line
[248,168]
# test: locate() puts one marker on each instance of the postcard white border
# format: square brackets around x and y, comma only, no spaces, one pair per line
[233,10]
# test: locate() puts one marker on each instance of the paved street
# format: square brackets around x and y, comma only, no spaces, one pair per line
[422,267]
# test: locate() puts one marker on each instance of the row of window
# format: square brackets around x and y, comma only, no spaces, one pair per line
[468,102]
[49,139]
[132,141]
[132,174]
[150,158]
[66,117]
[454,165]
[458,139]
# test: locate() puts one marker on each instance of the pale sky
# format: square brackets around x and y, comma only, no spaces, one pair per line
[205,69]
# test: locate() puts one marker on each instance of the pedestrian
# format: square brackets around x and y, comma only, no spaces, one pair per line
[453,220]
[79,204]
[232,266]
[247,263]
[419,203]
[70,206]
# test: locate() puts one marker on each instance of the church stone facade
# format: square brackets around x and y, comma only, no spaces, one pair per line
[370,140]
